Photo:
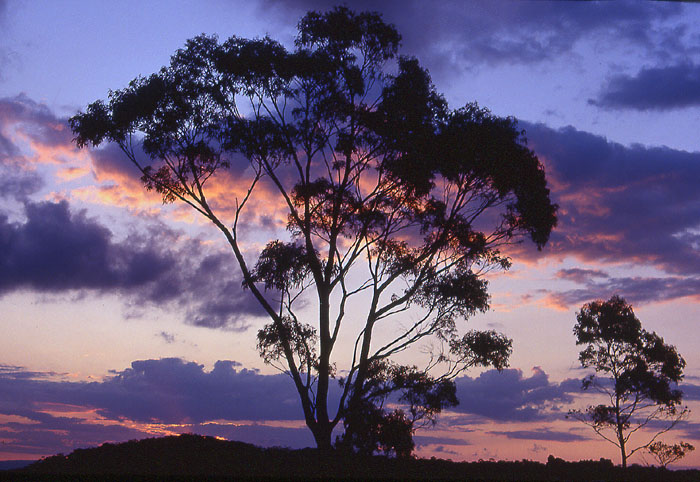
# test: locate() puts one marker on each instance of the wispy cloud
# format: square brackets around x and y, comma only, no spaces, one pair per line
[541,434]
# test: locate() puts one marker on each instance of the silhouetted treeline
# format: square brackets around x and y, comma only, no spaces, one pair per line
[194,457]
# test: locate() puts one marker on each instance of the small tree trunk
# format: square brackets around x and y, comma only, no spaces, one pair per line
[620,426]
[623,452]
[624,457]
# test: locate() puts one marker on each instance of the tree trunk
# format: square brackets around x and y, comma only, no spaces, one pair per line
[324,428]
[322,436]
[323,360]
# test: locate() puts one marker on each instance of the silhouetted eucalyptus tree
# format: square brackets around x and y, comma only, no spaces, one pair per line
[390,197]
[639,370]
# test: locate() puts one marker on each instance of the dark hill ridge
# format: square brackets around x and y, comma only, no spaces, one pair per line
[194,457]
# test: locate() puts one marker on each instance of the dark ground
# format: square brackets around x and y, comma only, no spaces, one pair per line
[193,457]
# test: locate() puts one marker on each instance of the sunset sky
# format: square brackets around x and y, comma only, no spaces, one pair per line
[121,318]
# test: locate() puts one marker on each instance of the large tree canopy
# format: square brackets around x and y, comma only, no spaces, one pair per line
[391,198]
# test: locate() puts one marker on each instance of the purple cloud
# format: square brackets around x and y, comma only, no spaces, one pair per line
[189,398]
[621,204]
[56,250]
[497,32]
[653,88]
[691,430]
[691,391]
[168,390]
[17,180]
[18,185]
[50,435]
[580,275]
[509,396]
[637,290]
[174,391]
[59,250]
[430,440]
[541,434]
[35,120]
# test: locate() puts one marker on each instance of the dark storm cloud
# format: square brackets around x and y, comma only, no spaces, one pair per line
[541,434]
[509,396]
[622,204]
[55,250]
[455,32]
[654,88]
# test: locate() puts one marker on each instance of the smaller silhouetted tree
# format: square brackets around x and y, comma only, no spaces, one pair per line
[639,369]
[667,454]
